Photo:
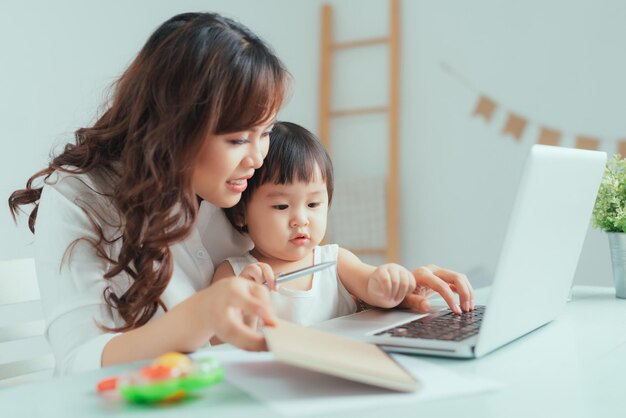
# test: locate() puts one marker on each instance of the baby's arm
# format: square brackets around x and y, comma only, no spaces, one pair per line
[261,273]
[257,272]
[384,286]
[223,271]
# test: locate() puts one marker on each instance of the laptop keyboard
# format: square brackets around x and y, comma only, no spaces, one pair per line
[446,327]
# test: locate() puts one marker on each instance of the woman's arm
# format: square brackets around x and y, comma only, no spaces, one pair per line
[217,310]
[258,272]
[431,279]
[223,271]
[72,286]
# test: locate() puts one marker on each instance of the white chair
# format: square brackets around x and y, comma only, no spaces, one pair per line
[24,353]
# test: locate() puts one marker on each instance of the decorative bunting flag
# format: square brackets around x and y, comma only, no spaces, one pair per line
[514,126]
[621,147]
[548,136]
[587,142]
[484,108]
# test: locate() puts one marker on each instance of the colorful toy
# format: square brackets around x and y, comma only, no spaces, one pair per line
[169,378]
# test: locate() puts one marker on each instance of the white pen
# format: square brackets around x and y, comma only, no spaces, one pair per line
[285,277]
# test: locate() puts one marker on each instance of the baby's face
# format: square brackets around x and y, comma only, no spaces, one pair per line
[286,221]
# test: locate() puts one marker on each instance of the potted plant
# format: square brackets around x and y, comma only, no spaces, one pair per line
[609,215]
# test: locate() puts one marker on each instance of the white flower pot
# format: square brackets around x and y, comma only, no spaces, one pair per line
[617,244]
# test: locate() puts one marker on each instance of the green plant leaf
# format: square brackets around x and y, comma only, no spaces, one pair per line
[609,212]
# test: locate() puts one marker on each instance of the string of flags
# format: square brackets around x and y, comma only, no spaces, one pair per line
[515,124]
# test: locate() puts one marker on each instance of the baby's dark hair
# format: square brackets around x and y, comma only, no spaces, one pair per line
[294,155]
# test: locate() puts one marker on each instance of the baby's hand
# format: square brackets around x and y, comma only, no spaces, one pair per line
[260,273]
[389,285]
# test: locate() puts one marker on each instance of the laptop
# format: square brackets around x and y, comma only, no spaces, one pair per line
[535,271]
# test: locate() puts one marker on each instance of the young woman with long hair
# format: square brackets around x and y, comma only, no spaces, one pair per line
[127,219]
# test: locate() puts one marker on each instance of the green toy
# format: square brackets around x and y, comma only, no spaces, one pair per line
[171,377]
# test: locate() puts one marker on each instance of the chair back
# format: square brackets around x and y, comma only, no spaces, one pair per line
[24,353]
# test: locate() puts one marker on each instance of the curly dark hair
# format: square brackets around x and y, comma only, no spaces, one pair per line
[198,74]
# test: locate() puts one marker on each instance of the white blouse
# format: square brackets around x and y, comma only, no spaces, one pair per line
[72,291]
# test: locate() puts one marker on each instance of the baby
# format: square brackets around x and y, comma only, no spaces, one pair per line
[284,211]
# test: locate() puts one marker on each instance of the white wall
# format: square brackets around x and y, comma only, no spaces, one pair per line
[556,62]
[59,57]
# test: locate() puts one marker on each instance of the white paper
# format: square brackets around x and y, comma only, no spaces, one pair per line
[293,391]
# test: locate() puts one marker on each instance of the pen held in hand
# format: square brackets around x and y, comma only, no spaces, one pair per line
[285,277]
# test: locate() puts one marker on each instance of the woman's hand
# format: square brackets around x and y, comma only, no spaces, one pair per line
[389,285]
[219,310]
[261,273]
[227,306]
[432,279]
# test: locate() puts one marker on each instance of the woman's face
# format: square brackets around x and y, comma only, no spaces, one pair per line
[226,162]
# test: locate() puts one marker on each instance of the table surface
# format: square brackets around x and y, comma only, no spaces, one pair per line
[574,366]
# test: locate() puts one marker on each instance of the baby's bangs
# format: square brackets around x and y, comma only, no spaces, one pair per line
[255,93]
[305,172]
[293,160]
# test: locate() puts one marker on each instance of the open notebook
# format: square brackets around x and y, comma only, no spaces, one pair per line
[337,356]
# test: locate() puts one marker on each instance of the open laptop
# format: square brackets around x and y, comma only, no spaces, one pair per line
[535,271]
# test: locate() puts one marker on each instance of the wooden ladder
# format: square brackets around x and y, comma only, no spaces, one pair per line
[326,113]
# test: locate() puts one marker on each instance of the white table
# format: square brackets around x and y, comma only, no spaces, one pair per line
[572,367]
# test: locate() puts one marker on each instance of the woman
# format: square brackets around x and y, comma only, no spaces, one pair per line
[127,222]
[135,200]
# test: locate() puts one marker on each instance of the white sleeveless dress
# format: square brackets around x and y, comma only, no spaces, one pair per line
[326,299]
